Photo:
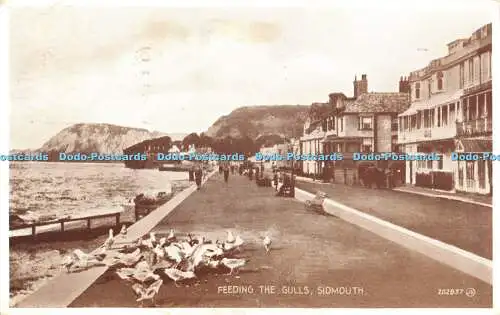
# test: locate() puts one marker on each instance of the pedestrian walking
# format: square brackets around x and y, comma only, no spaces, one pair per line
[191,174]
[275,180]
[198,174]
[226,173]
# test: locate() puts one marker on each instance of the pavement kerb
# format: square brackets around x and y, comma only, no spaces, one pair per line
[64,288]
[450,197]
[452,256]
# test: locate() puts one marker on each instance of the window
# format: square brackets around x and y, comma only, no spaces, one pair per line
[461,82]
[365,123]
[366,148]
[464,109]
[418,119]
[484,67]
[480,106]
[429,164]
[440,81]
[394,125]
[367,145]
[342,124]
[488,105]
[477,68]
[439,117]
[470,174]
[471,71]
[417,90]
[460,176]
[440,162]
[452,113]
[444,115]
[489,65]
[481,169]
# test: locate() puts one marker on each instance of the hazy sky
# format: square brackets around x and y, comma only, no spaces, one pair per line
[71,65]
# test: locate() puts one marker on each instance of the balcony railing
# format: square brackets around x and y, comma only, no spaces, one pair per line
[476,127]
[478,87]
[426,134]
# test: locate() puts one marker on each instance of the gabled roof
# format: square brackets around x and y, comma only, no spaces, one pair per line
[378,103]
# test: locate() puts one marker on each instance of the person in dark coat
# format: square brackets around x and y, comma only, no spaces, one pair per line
[250,173]
[226,173]
[275,180]
[198,174]
[191,174]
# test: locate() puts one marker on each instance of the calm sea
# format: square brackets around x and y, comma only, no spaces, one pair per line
[76,188]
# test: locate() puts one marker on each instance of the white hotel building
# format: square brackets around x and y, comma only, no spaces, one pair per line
[451,111]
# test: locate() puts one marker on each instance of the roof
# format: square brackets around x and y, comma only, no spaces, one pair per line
[435,100]
[378,103]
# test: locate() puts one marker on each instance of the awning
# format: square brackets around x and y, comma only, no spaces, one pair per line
[435,100]
[474,145]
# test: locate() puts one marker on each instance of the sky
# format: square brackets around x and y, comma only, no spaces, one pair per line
[177,70]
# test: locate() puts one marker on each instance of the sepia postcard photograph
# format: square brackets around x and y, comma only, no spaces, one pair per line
[189,155]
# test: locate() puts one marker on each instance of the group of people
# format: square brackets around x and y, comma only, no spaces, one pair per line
[282,182]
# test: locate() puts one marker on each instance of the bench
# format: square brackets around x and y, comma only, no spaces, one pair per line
[316,204]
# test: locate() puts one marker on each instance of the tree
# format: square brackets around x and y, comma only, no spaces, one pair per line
[205,140]
[190,139]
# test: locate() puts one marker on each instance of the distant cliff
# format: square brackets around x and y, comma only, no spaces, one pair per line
[256,121]
[101,138]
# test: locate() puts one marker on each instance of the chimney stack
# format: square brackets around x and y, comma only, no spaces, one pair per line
[404,85]
[360,87]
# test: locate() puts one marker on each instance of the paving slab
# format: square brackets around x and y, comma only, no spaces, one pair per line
[315,260]
[467,226]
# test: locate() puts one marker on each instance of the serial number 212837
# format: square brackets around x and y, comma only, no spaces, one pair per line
[450,291]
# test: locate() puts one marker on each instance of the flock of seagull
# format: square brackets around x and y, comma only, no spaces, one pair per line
[146,263]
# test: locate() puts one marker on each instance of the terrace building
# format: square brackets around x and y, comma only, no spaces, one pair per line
[451,110]
[366,122]
[313,135]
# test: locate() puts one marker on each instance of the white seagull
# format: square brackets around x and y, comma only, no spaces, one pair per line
[267,243]
[230,237]
[109,241]
[178,275]
[123,231]
[171,235]
[147,293]
[233,263]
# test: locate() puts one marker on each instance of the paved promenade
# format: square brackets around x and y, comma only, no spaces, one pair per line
[66,287]
[308,250]
[467,226]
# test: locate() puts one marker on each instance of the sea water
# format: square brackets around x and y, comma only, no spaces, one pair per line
[62,189]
